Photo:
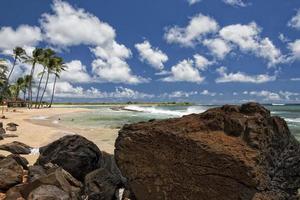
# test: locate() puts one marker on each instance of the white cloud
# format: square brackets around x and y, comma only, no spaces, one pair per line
[242,77]
[76,72]
[294,47]
[218,47]
[295,21]
[68,26]
[179,94]
[237,3]
[283,38]
[201,62]
[295,79]
[247,38]
[114,70]
[199,26]
[184,71]
[191,2]
[267,95]
[208,93]
[67,90]
[24,35]
[155,57]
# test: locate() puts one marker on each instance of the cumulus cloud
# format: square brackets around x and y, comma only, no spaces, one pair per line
[191,2]
[247,38]
[267,95]
[199,26]
[295,21]
[208,93]
[155,57]
[184,71]
[236,3]
[76,72]
[22,36]
[179,94]
[218,47]
[201,62]
[242,77]
[68,26]
[67,90]
[294,47]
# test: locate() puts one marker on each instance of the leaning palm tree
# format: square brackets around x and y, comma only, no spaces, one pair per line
[3,78]
[25,85]
[50,68]
[19,53]
[37,57]
[59,67]
[47,54]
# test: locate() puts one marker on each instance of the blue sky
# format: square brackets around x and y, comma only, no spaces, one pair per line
[209,51]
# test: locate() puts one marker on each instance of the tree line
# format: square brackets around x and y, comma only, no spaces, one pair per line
[53,65]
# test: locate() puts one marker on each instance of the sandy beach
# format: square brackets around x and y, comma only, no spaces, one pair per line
[36,132]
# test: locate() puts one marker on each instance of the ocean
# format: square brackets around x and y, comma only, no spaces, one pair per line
[104,116]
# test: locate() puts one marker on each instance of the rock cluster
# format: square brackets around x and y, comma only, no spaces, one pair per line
[71,168]
[226,153]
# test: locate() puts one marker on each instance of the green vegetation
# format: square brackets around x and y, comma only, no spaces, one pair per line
[52,64]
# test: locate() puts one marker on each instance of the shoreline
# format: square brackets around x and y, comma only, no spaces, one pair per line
[39,132]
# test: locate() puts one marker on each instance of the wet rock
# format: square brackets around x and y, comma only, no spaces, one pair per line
[226,153]
[11,173]
[101,185]
[74,153]
[20,160]
[16,148]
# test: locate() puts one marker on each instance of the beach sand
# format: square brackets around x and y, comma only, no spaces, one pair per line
[38,133]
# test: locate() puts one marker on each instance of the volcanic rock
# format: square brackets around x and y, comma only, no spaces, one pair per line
[16,148]
[226,153]
[11,173]
[20,160]
[74,153]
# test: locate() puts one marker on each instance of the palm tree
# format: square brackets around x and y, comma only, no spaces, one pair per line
[47,54]
[50,67]
[37,57]
[18,54]
[25,85]
[59,67]
[3,78]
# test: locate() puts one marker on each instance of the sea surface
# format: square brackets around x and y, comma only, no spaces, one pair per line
[105,116]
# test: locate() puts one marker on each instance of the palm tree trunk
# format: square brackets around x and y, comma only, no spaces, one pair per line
[53,91]
[39,87]
[30,86]
[12,69]
[46,84]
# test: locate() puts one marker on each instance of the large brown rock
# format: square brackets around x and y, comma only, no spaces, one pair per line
[16,148]
[74,153]
[11,173]
[226,153]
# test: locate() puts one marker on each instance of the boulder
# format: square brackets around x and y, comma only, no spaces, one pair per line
[57,185]
[16,148]
[11,128]
[14,193]
[225,153]
[74,153]
[9,135]
[11,173]
[11,124]
[20,160]
[101,185]
[2,130]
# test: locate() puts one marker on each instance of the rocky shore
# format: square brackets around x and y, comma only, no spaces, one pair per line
[226,153]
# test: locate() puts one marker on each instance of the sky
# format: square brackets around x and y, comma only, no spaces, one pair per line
[203,51]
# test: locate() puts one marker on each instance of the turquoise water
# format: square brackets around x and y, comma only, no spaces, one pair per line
[101,116]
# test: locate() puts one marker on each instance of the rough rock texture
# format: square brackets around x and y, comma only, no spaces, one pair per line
[74,153]
[101,185]
[57,185]
[227,153]
[20,160]
[2,130]
[16,148]
[11,128]
[11,173]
